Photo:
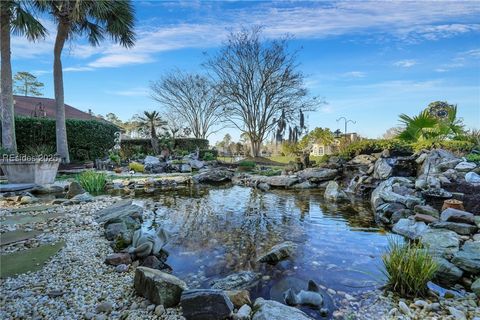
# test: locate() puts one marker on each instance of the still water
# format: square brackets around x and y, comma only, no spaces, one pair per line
[217,231]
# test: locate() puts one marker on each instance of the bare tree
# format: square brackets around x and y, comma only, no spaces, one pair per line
[175,124]
[261,84]
[194,98]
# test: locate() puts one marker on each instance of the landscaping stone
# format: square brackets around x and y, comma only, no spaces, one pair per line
[74,189]
[460,228]
[269,310]
[280,181]
[16,236]
[151,161]
[119,210]
[115,229]
[317,175]
[79,198]
[278,252]
[457,314]
[447,272]
[239,297]
[116,259]
[213,176]
[154,263]
[363,159]
[410,228]
[243,313]
[12,187]
[206,304]
[455,215]
[382,169]
[427,210]
[476,287]
[441,242]
[472,177]
[158,287]
[465,166]
[468,258]
[333,192]
[425,218]
[236,281]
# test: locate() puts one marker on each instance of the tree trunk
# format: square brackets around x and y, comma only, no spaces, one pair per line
[61,128]
[255,148]
[9,141]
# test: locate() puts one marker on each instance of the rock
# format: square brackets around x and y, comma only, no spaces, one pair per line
[28,199]
[465,166]
[239,297]
[243,313]
[310,297]
[119,210]
[263,186]
[460,228]
[83,197]
[382,169]
[317,175]
[424,182]
[158,287]
[304,185]
[74,189]
[280,181]
[441,242]
[468,258]
[447,272]
[159,310]
[205,304]
[151,161]
[454,215]
[425,218]
[457,314]
[333,192]
[150,242]
[439,160]
[116,229]
[236,281]
[196,164]
[363,159]
[472,177]
[395,189]
[213,176]
[402,306]
[410,228]
[476,287]
[278,252]
[400,214]
[121,268]
[154,263]
[116,259]
[385,211]
[185,168]
[269,310]
[427,210]
[105,307]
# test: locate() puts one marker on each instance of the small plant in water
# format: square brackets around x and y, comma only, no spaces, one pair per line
[408,268]
[92,181]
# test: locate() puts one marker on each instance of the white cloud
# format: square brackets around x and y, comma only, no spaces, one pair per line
[354,74]
[405,63]
[132,92]
[77,69]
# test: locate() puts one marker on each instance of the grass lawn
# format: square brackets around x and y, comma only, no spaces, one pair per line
[287,159]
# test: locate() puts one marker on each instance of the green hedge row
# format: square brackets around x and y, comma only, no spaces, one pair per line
[190,144]
[87,139]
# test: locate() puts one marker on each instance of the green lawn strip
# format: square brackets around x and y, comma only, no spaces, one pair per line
[27,260]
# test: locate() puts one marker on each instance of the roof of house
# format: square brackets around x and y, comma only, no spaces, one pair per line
[45,107]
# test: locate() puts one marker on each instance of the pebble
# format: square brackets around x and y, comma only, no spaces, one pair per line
[404,308]
[159,310]
[121,268]
[104,307]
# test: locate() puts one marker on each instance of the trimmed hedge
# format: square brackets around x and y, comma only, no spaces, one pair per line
[135,147]
[202,154]
[369,146]
[190,144]
[87,139]
[455,146]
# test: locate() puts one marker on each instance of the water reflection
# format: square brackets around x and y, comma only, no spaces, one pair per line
[221,230]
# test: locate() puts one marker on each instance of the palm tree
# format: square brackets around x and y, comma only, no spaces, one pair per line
[16,17]
[151,121]
[95,19]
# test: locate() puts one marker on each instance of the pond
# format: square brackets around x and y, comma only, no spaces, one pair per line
[217,231]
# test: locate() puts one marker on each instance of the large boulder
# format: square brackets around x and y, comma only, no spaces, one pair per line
[236,281]
[427,210]
[239,297]
[438,161]
[317,175]
[395,189]
[476,287]
[455,215]
[278,252]
[74,189]
[465,166]
[280,181]
[384,212]
[468,258]
[119,210]
[151,161]
[460,228]
[441,242]
[206,304]
[158,287]
[333,192]
[363,159]
[196,164]
[472,177]
[213,176]
[410,228]
[447,273]
[269,310]
[383,169]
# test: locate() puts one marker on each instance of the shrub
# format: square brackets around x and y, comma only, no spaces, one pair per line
[41,149]
[369,146]
[92,181]
[137,167]
[473,157]
[114,157]
[87,139]
[190,144]
[213,154]
[133,148]
[247,164]
[408,268]
[456,146]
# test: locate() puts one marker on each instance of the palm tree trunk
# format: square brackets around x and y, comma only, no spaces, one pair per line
[61,128]
[154,139]
[9,141]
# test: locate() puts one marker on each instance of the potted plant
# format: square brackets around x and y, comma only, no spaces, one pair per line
[37,165]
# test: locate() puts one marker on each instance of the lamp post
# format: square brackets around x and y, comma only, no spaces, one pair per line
[346,122]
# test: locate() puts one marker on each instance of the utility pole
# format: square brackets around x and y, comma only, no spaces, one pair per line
[346,122]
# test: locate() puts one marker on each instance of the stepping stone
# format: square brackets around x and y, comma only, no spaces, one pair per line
[27,260]
[24,219]
[16,236]
[12,187]
[32,208]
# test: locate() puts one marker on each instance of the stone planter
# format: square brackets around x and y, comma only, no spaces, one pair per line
[39,171]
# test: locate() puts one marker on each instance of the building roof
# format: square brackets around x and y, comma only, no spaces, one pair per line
[45,107]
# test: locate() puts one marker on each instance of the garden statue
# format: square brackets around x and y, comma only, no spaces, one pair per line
[312,297]
[145,243]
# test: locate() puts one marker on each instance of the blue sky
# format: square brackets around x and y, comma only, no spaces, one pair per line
[370,61]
